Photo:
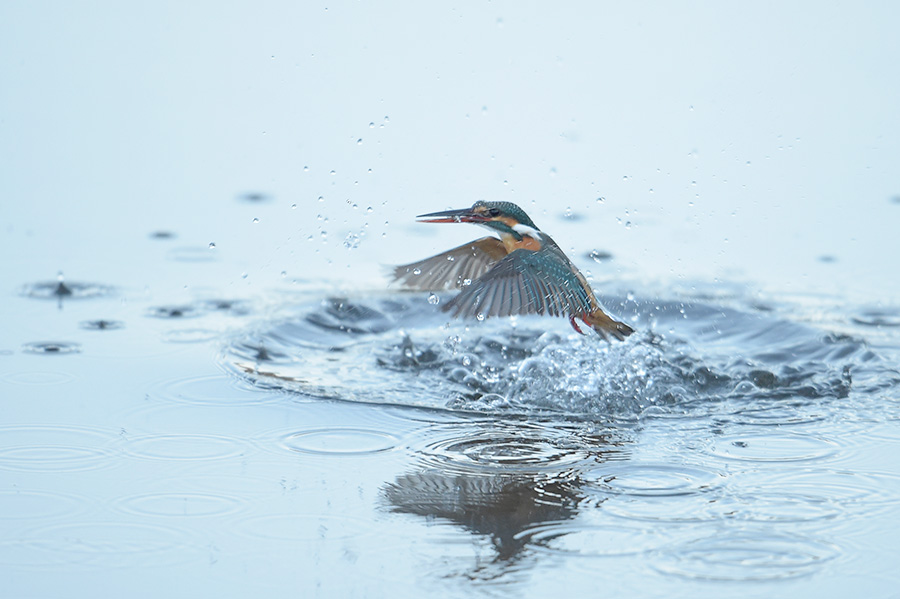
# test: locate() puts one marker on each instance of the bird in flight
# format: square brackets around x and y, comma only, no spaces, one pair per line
[521,272]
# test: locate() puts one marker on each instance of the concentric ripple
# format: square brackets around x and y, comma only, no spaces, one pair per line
[606,540]
[54,448]
[61,289]
[339,441]
[501,447]
[43,505]
[52,348]
[652,480]
[105,544]
[185,447]
[37,378]
[745,556]
[772,447]
[217,390]
[102,325]
[187,505]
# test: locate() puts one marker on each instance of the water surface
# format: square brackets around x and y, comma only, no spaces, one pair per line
[207,388]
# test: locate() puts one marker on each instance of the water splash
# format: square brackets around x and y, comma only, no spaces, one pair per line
[686,358]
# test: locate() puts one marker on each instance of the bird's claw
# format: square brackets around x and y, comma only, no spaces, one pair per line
[575,325]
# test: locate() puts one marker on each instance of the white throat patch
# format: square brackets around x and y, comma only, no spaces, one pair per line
[526,230]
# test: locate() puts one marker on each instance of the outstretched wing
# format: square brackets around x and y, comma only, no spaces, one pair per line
[451,269]
[524,282]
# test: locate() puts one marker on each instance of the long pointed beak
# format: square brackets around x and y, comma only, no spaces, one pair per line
[464,215]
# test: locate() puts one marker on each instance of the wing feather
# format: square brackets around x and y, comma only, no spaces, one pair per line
[450,269]
[524,282]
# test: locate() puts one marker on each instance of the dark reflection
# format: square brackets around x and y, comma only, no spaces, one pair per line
[504,504]
[499,507]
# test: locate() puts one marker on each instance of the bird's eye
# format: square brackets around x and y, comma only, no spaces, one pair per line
[493,212]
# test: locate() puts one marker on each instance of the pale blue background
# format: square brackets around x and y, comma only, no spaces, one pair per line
[742,141]
[750,143]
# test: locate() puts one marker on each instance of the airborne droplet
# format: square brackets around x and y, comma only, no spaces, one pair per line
[433,299]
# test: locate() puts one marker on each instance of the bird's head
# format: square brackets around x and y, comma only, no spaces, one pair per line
[503,217]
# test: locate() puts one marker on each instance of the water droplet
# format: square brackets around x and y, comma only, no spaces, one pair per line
[255,220]
[332,172]
[480,316]
[600,200]
[369,210]
[293,206]
[351,241]
[305,169]
[212,245]
[371,125]
[433,299]
[321,199]
[386,119]
[359,141]
[283,274]
[417,271]
[467,282]
[244,275]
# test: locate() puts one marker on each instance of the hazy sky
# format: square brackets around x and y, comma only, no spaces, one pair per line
[754,142]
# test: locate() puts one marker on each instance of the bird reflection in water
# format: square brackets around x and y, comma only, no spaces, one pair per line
[502,501]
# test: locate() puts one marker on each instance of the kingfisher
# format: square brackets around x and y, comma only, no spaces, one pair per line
[522,271]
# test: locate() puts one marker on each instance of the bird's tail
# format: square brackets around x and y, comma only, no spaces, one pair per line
[606,326]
